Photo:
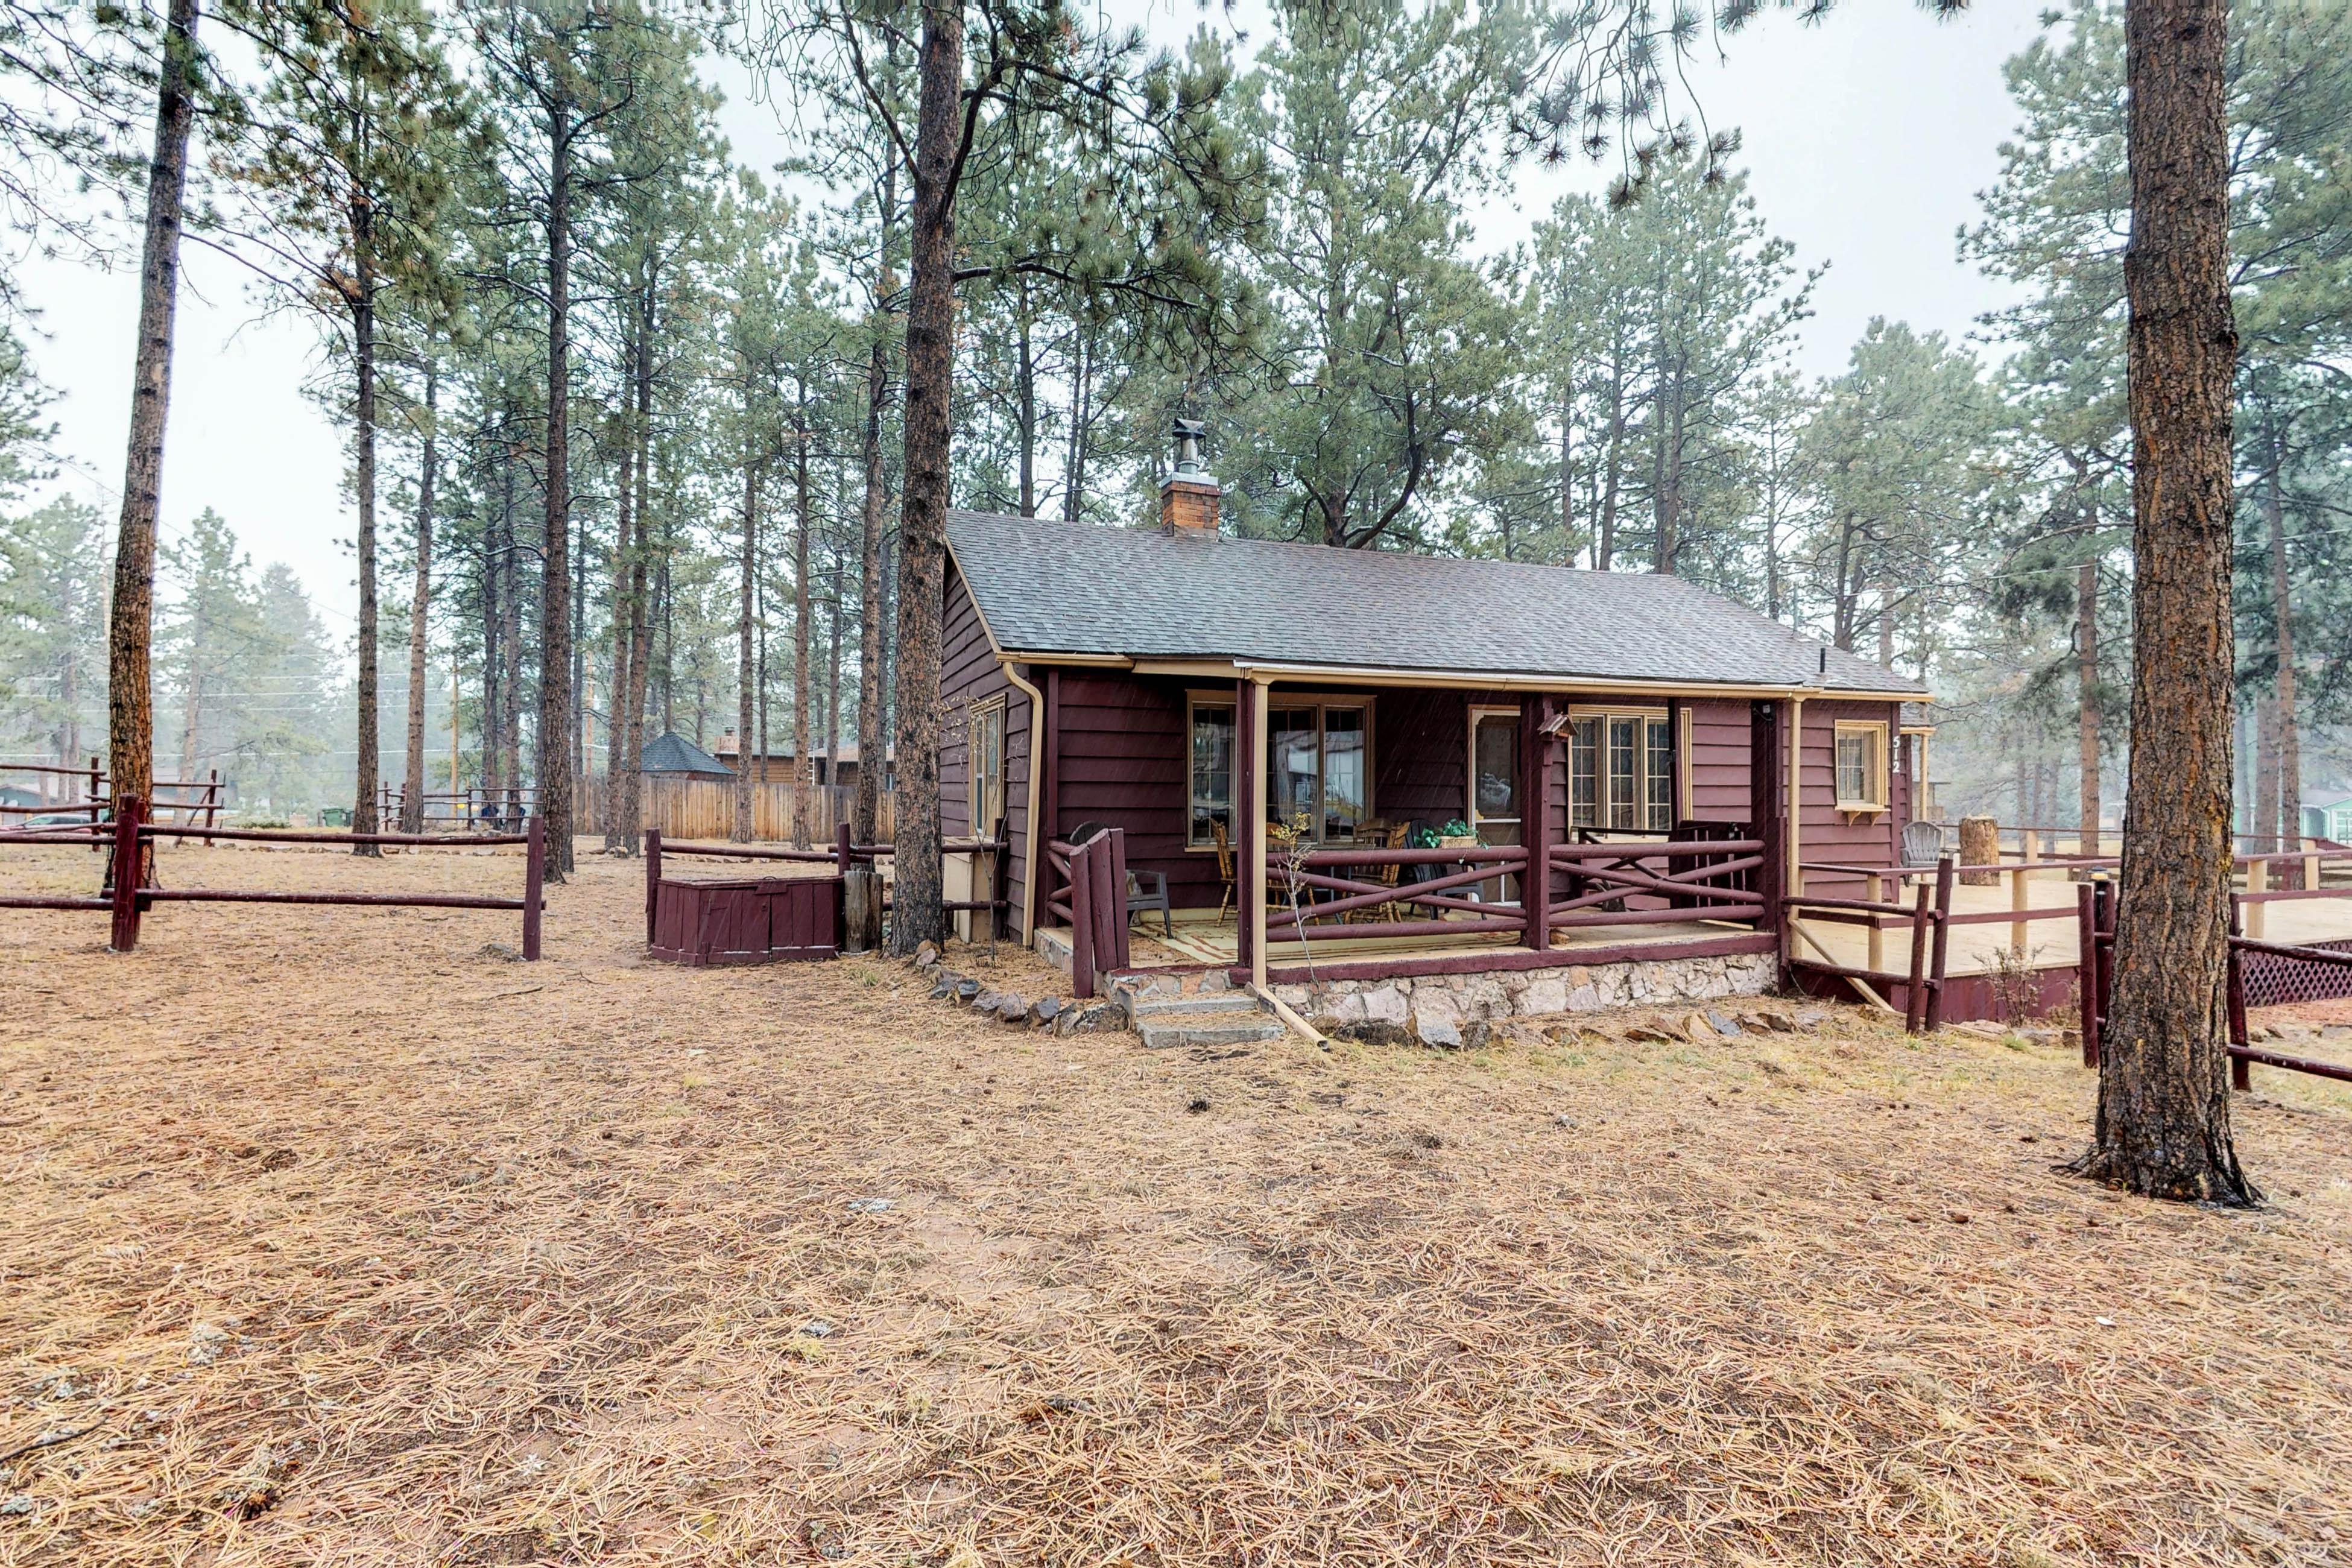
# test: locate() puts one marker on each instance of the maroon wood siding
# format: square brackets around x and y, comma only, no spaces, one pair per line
[970,675]
[1828,835]
[1122,766]
[1718,765]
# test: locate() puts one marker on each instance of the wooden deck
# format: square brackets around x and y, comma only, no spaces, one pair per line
[2049,942]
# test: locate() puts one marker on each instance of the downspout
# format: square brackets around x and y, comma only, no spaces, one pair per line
[1796,794]
[1036,782]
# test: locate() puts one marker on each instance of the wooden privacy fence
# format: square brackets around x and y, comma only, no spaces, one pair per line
[1092,899]
[130,888]
[2097,904]
[705,809]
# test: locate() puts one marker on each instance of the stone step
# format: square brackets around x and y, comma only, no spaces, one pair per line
[1143,1007]
[1231,1027]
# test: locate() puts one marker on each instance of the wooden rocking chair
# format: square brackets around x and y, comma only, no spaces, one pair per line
[1225,846]
[1386,876]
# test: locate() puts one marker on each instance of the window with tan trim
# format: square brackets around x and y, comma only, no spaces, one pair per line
[1861,765]
[986,762]
[1621,769]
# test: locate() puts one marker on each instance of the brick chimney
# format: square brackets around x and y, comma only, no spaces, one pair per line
[1188,497]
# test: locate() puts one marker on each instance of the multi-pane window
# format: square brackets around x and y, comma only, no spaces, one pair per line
[987,755]
[1620,772]
[1318,768]
[1211,772]
[1861,766]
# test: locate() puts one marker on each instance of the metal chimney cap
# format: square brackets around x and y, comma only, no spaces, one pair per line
[1188,434]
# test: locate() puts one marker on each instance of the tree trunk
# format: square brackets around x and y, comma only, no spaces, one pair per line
[370,722]
[554,748]
[2086,685]
[1604,549]
[641,624]
[2290,740]
[804,765]
[916,895]
[618,830]
[493,727]
[2163,1122]
[872,751]
[130,647]
[2266,774]
[510,654]
[743,672]
[420,605]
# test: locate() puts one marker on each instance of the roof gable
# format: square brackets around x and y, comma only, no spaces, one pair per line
[672,752]
[1046,586]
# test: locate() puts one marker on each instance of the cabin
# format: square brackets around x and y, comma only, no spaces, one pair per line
[672,756]
[1348,769]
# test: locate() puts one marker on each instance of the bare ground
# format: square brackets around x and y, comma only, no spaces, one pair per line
[331,1237]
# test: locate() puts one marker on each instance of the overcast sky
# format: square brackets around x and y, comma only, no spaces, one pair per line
[1867,139]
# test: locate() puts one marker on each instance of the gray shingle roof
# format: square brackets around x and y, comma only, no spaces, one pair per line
[1046,586]
[674,754]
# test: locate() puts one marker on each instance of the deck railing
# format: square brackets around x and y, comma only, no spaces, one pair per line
[1357,908]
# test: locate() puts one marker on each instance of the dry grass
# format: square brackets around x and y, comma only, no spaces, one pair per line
[339,1242]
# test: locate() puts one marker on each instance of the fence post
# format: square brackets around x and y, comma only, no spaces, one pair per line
[212,805]
[1943,942]
[999,883]
[2087,968]
[1115,872]
[534,878]
[1082,918]
[1915,1000]
[128,816]
[652,877]
[842,857]
[2240,1073]
[2257,881]
[1875,885]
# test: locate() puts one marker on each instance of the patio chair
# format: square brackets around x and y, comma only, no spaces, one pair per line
[1386,876]
[1146,891]
[1922,843]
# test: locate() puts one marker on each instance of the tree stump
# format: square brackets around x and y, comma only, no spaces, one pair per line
[861,909]
[1979,845]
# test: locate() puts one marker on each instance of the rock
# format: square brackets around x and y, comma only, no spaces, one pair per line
[1196,1106]
[967,991]
[1090,1018]
[985,1001]
[1012,1007]
[926,955]
[817,1329]
[1044,1010]
[1386,1005]
[1696,1028]
[1655,1034]
[1476,1034]
[1435,1028]
[1545,994]
[1370,1032]
[1217,980]
[1810,1017]
[15,1504]
[944,989]
[1723,1023]
[501,951]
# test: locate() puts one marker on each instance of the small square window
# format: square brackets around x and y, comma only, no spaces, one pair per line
[1861,766]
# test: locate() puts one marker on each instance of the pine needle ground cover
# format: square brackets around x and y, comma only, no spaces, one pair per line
[333,1236]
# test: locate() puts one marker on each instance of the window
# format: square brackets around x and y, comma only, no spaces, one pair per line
[987,758]
[1212,772]
[1620,771]
[1319,767]
[1861,765]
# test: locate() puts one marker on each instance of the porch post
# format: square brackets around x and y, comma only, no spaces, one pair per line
[1536,750]
[1250,720]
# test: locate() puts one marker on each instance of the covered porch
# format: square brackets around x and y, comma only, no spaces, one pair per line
[1298,826]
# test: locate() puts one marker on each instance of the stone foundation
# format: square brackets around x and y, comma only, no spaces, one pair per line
[1436,1007]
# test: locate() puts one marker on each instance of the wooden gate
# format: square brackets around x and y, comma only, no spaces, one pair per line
[751,920]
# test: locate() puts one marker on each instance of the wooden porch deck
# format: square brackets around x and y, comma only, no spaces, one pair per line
[2051,942]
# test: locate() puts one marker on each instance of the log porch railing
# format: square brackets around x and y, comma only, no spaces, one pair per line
[1696,880]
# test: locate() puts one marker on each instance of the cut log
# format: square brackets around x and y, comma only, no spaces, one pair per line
[861,909]
[1979,845]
